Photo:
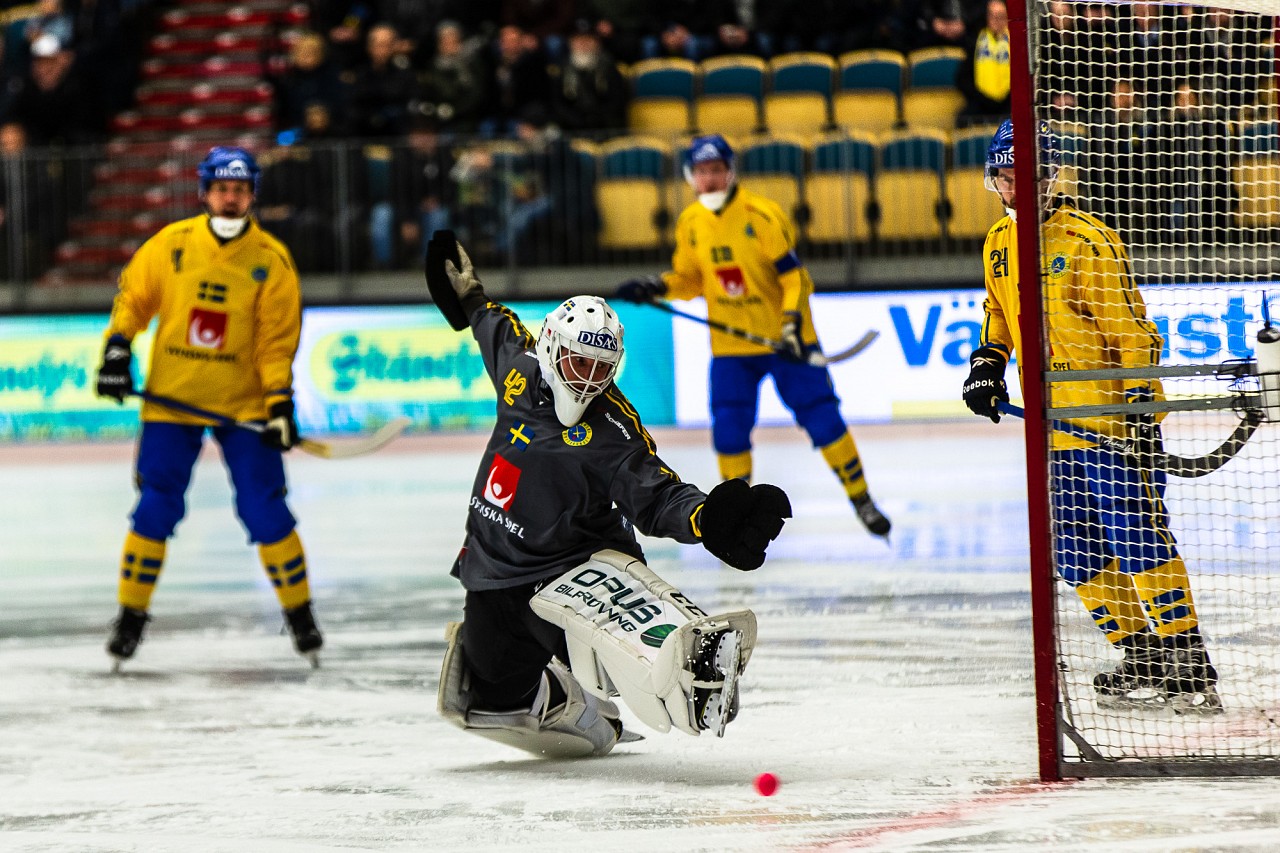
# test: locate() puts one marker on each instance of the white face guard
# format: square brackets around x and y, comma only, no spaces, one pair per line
[579,351]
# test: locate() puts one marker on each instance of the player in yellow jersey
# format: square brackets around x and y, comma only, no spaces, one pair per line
[1112,540]
[737,250]
[229,312]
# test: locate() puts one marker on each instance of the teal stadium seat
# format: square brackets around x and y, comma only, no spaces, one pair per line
[774,168]
[931,98]
[799,98]
[662,92]
[629,192]
[731,92]
[870,93]
[973,208]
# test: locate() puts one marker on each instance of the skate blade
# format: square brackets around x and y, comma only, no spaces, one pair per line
[629,736]
[313,658]
[115,665]
[728,660]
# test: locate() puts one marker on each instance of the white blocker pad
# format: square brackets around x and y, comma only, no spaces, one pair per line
[632,634]
[582,725]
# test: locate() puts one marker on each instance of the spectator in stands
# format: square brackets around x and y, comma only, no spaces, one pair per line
[518,85]
[380,89]
[416,22]
[299,199]
[310,78]
[344,24]
[50,101]
[588,93]
[50,20]
[983,77]
[1223,59]
[1199,183]
[934,23]
[546,20]
[106,31]
[623,25]
[1126,152]
[422,192]
[32,206]
[826,26]
[689,27]
[1147,44]
[453,90]
[558,220]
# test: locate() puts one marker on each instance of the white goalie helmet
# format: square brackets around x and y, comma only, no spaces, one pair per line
[579,351]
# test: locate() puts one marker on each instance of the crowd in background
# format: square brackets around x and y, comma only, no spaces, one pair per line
[410,78]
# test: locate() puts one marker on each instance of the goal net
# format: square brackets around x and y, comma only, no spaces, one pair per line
[1159,126]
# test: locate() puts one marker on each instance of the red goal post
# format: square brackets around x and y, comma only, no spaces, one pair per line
[1164,129]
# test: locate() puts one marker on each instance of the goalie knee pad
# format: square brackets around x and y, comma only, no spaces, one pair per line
[634,635]
[580,726]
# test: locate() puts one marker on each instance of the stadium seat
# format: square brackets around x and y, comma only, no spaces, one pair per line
[799,100]
[773,166]
[838,188]
[661,96]
[909,184]
[732,89]
[931,98]
[870,91]
[1256,175]
[973,208]
[629,192]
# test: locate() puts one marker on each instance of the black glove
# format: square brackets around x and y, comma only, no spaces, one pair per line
[985,384]
[115,374]
[738,522]
[641,290]
[1144,432]
[791,335]
[281,430]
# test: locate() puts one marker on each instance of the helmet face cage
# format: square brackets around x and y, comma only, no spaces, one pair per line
[705,149]
[579,351]
[228,163]
[1000,154]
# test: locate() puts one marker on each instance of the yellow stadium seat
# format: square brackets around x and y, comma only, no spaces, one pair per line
[935,108]
[870,92]
[909,184]
[629,192]
[974,208]
[799,99]
[838,188]
[773,166]
[1257,182]
[866,110]
[659,115]
[729,101]
[727,114]
[661,95]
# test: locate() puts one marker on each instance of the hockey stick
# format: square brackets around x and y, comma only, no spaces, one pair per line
[1175,466]
[816,359]
[344,450]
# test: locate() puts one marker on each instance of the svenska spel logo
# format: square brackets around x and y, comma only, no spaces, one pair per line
[500,485]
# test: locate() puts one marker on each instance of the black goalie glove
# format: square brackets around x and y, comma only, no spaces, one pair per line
[985,385]
[739,521]
[641,290]
[281,430]
[115,374]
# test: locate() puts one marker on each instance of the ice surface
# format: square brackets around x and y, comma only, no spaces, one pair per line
[890,691]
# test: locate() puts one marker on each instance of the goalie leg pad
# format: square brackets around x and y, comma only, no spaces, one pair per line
[632,634]
[582,725]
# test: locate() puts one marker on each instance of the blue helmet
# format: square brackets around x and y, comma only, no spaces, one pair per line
[705,149]
[228,163]
[1000,151]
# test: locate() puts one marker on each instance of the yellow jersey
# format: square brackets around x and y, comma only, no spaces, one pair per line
[743,261]
[1094,314]
[230,316]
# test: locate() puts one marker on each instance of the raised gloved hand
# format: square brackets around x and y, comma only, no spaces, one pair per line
[985,384]
[739,521]
[791,335]
[115,374]
[1144,432]
[462,277]
[641,290]
[281,429]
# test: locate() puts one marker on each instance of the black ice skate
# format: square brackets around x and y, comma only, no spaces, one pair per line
[126,633]
[716,667]
[1191,681]
[1138,680]
[870,515]
[306,636]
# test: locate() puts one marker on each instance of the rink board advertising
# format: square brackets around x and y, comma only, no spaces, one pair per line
[358,367]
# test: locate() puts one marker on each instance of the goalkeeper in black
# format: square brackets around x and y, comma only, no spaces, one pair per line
[569,474]
[1112,541]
